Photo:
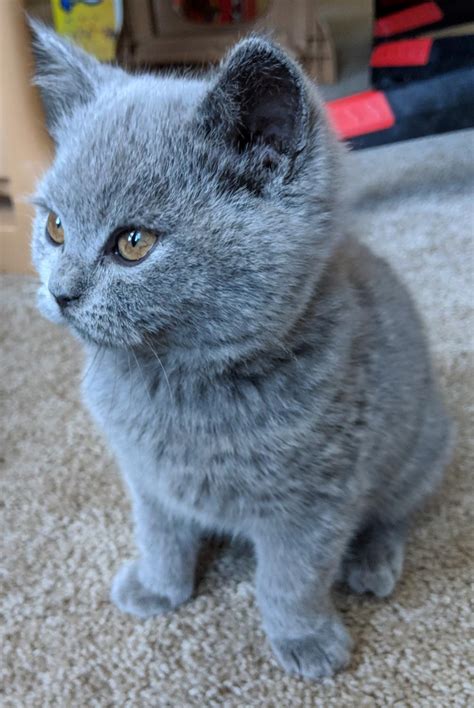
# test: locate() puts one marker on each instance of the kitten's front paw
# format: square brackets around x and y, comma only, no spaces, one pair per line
[130,595]
[317,655]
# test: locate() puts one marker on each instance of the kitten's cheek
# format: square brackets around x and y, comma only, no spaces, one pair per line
[48,307]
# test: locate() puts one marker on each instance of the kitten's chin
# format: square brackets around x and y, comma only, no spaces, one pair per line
[84,337]
[48,307]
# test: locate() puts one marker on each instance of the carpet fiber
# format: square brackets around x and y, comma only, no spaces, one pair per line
[65,518]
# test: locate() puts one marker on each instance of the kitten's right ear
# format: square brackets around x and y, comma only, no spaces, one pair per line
[65,74]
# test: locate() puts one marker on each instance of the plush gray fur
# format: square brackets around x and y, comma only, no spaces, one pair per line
[261,373]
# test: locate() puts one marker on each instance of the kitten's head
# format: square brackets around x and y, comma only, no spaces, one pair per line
[192,213]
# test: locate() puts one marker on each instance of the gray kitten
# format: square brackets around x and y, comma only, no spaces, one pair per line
[256,370]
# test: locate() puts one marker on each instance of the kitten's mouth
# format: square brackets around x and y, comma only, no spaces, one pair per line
[100,339]
[66,318]
[82,333]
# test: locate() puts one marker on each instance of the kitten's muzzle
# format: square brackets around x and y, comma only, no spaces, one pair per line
[63,298]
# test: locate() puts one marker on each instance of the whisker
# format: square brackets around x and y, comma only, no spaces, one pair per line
[142,375]
[99,350]
[114,385]
[129,377]
[162,367]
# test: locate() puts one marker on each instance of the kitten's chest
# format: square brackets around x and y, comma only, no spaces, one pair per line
[197,445]
[139,406]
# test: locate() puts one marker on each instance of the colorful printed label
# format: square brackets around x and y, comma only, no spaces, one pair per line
[93,24]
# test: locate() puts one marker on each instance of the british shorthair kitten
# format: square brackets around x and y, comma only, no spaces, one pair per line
[255,369]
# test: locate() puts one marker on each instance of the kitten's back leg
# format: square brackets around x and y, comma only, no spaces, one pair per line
[374,560]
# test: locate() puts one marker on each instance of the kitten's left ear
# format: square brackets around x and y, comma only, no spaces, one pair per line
[66,75]
[259,104]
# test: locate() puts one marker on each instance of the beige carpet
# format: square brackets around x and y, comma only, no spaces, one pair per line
[65,519]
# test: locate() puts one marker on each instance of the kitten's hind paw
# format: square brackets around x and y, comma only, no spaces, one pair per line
[374,562]
[130,595]
[317,655]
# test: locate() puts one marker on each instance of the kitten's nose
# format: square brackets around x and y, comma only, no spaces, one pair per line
[63,298]
[65,285]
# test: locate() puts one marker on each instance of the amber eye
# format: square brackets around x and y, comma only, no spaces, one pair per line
[54,229]
[135,244]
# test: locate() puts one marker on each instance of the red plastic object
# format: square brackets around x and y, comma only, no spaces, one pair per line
[365,112]
[226,12]
[427,13]
[405,52]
